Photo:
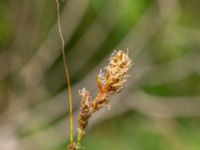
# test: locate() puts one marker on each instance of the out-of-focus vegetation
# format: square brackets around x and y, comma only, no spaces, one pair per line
[158,108]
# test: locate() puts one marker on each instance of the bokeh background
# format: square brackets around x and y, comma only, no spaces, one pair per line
[159,108]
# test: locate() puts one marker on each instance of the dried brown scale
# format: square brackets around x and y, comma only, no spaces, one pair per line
[72,146]
[99,102]
[110,80]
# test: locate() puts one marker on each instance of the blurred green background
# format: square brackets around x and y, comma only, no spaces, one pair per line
[159,108]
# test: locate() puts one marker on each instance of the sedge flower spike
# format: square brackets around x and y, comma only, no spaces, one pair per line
[110,80]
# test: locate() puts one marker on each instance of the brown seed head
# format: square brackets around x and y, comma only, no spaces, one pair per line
[85,112]
[112,78]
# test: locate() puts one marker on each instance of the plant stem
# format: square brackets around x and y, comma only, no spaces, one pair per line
[66,71]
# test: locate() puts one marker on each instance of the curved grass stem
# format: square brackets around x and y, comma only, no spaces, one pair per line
[66,70]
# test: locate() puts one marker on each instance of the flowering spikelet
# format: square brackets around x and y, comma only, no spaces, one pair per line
[110,80]
[85,112]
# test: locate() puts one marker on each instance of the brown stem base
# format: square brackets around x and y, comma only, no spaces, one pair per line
[72,146]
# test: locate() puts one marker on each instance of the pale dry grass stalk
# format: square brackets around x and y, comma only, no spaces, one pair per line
[66,70]
[110,80]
